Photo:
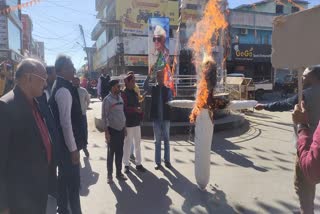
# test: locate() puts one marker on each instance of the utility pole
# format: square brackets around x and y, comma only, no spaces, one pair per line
[86,48]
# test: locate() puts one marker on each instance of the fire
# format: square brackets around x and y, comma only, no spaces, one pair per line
[202,42]
[205,87]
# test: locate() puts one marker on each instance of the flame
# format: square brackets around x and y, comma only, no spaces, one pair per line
[202,42]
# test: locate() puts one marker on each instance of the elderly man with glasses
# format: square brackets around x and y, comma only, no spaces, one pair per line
[25,147]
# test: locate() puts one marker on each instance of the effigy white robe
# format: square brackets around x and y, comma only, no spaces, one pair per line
[203,140]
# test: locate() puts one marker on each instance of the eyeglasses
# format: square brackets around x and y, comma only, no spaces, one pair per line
[44,79]
[157,39]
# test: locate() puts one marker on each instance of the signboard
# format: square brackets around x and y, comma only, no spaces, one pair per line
[134,14]
[248,52]
[295,40]
[136,60]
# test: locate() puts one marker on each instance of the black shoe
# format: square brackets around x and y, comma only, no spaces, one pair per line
[168,165]
[127,169]
[141,168]
[121,177]
[157,166]
[132,158]
[110,180]
[86,152]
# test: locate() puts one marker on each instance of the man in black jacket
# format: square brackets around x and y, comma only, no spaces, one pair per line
[103,87]
[25,147]
[134,116]
[65,104]
[160,115]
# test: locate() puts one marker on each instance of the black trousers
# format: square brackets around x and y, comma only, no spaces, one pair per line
[115,148]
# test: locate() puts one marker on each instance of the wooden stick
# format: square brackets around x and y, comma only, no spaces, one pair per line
[300,84]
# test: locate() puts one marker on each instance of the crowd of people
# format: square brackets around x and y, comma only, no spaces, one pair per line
[44,127]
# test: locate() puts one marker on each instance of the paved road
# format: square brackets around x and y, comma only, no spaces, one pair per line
[251,172]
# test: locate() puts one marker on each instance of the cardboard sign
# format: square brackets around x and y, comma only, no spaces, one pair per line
[296,40]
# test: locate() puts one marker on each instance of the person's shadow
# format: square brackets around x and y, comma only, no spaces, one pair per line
[88,177]
[224,148]
[150,195]
[197,201]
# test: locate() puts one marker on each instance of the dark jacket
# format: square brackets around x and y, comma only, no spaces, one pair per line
[105,87]
[76,113]
[24,167]
[166,97]
[56,140]
[131,102]
[283,105]
[311,97]
[155,94]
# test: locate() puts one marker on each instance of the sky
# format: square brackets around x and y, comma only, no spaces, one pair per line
[56,23]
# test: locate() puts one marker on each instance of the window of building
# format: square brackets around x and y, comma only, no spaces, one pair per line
[279,9]
[102,40]
[294,9]
[266,39]
[192,6]
[14,36]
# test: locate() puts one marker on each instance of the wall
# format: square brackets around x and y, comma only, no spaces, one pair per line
[252,37]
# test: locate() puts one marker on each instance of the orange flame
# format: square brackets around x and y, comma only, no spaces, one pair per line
[202,42]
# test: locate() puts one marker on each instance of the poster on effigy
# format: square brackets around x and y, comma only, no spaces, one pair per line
[158,49]
[158,44]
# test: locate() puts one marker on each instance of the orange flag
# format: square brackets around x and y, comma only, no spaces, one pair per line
[168,79]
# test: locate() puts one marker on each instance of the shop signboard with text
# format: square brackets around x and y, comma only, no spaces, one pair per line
[136,60]
[251,52]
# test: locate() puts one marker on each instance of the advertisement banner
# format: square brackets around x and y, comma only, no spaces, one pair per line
[246,52]
[136,60]
[158,48]
[134,14]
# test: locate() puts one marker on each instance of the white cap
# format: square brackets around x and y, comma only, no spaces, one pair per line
[159,31]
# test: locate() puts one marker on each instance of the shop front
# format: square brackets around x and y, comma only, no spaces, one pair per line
[252,60]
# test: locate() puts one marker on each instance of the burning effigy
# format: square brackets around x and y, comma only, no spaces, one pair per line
[205,91]
[207,103]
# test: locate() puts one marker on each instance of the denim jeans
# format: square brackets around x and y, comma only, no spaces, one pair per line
[161,130]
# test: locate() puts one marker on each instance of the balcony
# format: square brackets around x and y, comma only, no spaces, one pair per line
[245,19]
[97,30]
